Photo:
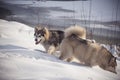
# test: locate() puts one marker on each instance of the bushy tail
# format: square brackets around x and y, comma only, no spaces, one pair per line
[76,30]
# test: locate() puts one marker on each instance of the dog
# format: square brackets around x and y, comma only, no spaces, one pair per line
[50,39]
[74,45]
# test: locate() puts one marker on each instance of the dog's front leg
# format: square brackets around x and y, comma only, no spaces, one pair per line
[66,54]
[51,49]
[66,57]
[70,59]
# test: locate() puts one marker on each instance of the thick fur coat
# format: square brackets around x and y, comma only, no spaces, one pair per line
[50,39]
[74,45]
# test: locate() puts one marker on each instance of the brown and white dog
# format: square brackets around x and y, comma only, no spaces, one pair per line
[74,45]
[50,39]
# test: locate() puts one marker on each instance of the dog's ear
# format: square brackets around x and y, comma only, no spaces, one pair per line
[44,28]
[36,28]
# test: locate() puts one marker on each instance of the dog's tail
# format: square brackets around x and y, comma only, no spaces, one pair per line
[80,32]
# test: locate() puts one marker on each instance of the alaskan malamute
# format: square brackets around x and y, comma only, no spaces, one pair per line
[50,39]
[88,52]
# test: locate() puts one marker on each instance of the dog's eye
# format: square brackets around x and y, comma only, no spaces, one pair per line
[39,35]
[42,33]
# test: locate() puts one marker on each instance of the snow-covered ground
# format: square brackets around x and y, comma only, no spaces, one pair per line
[21,59]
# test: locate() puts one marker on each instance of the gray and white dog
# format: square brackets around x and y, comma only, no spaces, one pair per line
[50,39]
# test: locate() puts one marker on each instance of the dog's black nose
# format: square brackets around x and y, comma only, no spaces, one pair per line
[35,39]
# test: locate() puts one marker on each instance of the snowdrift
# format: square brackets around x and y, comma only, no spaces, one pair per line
[21,59]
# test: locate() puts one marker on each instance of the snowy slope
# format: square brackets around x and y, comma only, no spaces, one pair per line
[21,59]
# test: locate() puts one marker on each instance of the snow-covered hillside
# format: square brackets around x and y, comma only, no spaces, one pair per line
[21,59]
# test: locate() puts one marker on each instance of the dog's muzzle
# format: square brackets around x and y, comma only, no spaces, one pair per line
[37,40]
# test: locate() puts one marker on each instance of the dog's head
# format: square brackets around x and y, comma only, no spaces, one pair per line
[112,65]
[39,34]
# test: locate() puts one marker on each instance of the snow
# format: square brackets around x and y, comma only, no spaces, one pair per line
[21,59]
